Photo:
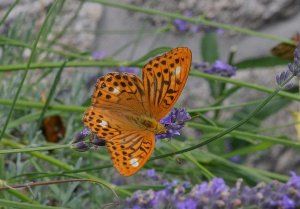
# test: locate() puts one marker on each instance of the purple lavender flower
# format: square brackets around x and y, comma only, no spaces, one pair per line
[294,181]
[81,135]
[282,78]
[181,25]
[95,140]
[174,122]
[82,146]
[287,203]
[152,174]
[98,55]
[129,70]
[200,66]
[295,66]
[216,194]
[221,68]
[188,203]
[184,26]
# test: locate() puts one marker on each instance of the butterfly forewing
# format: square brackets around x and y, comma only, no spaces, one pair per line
[285,50]
[120,91]
[164,78]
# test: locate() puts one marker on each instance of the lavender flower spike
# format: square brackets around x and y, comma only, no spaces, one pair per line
[216,194]
[174,122]
[98,55]
[295,66]
[81,135]
[221,68]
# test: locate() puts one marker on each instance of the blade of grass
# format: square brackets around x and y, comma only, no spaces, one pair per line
[12,42]
[14,204]
[235,133]
[8,12]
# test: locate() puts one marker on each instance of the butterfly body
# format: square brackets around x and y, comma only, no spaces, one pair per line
[126,110]
[150,124]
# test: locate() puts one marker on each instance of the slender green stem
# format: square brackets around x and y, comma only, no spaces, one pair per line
[12,42]
[227,131]
[34,66]
[40,105]
[243,84]
[33,149]
[199,20]
[244,134]
[14,204]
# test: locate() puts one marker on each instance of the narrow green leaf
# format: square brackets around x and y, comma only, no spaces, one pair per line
[14,204]
[261,62]
[209,47]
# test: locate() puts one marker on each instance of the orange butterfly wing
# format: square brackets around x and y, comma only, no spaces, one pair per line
[164,78]
[123,91]
[119,99]
[131,150]
[129,146]
[286,51]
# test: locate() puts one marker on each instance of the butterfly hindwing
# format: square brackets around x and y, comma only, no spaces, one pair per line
[164,78]
[130,150]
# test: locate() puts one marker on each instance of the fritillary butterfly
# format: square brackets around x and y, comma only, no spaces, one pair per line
[126,110]
[286,51]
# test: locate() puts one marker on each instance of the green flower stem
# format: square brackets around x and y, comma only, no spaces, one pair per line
[243,84]
[39,105]
[33,149]
[199,20]
[12,42]
[212,108]
[232,128]
[58,163]
[16,67]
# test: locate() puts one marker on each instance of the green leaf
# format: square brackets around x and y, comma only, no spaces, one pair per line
[209,47]
[14,204]
[261,62]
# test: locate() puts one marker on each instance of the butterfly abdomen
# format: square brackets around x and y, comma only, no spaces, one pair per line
[150,124]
